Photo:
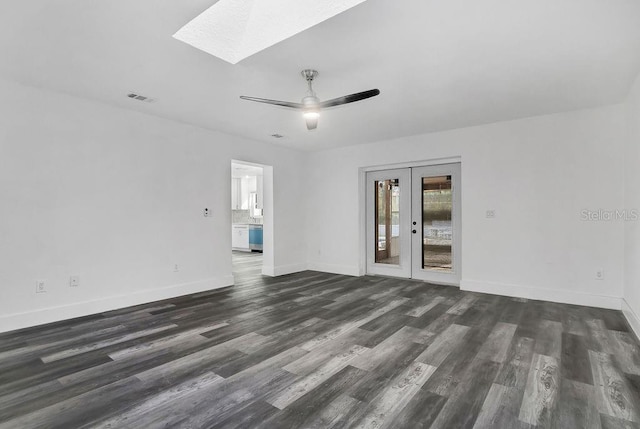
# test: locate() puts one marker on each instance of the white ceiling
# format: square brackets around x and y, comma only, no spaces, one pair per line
[438,64]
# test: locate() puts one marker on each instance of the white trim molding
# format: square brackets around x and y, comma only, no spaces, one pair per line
[42,316]
[632,318]
[346,270]
[282,270]
[413,164]
[562,296]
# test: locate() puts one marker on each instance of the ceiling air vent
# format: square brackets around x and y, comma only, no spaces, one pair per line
[139,97]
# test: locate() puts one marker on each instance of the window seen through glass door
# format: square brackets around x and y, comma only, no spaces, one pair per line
[387,221]
[437,231]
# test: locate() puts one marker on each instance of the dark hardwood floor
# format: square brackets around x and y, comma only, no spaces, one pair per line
[316,350]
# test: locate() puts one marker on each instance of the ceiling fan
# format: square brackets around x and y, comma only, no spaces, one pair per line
[311,104]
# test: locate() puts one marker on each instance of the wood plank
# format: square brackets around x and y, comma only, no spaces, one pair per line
[463,305]
[549,339]
[309,382]
[346,327]
[575,359]
[609,422]
[142,414]
[515,372]
[384,408]
[319,404]
[388,349]
[497,344]
[492,406]
[421,310]
[466,401]
[625,350]
[102,344]
[444,344]
[612,394]
[541,393]
[577,407]
[378,379]
[334,412]
[420,412]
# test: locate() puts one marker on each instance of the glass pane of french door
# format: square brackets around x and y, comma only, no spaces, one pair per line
[437,232]
[387,213]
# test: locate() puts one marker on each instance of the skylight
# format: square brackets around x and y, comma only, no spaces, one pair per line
[236,29]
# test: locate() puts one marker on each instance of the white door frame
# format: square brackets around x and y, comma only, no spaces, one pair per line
[362,178]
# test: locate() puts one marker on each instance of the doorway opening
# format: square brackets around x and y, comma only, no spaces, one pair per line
[251,217]
[413,223]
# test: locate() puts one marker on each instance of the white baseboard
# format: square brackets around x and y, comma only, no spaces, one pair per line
[282,270]
[562,296]
[632,317]
[14,321]
[346,270]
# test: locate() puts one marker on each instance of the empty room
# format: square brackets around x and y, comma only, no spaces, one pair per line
[320,214]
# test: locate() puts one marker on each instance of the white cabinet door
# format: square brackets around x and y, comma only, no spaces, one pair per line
[235,237]
[240,237]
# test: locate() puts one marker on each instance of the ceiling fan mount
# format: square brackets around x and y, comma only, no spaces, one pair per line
[309,74]
[311,104]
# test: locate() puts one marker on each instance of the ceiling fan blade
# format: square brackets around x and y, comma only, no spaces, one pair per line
[274,102]
[349,98]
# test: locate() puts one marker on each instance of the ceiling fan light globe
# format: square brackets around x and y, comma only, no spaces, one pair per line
[311,115]
[311,119]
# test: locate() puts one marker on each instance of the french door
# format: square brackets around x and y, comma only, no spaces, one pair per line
[413,223]
[389,223]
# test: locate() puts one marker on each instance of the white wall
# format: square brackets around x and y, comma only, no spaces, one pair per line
[537,173]
[116,197]
[631,305]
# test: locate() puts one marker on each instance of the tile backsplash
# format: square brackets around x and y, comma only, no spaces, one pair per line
[242,216]
[239,216]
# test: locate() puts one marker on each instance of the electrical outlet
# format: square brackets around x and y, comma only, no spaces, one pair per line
[491,214]
[600,274]
[206,212]
[176,268]
[74,281]
[41,286]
